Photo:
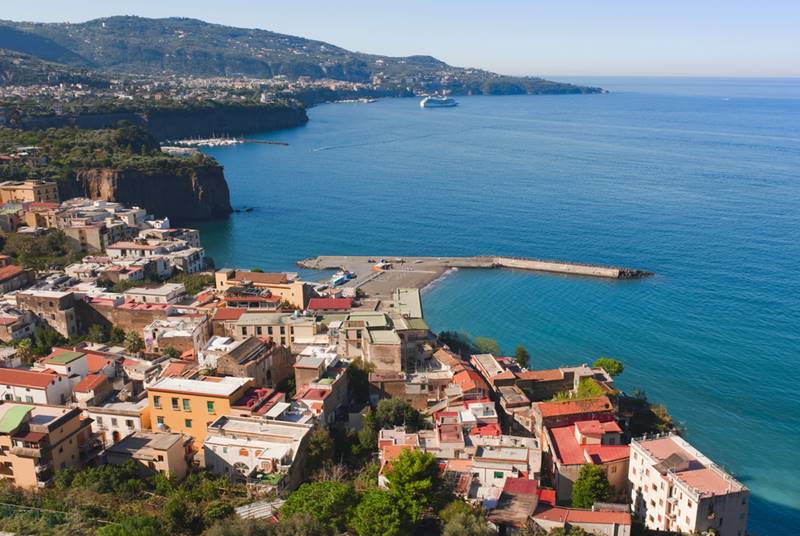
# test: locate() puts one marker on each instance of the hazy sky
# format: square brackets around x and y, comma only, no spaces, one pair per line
[556,37]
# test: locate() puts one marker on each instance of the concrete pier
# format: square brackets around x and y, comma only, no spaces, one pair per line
[417,272]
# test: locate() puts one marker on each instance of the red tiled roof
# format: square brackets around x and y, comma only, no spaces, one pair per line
[174,369]
[26,378]
[264,278]
[571,515]
[470,380]
[90,383]
[541,375]
[10,271]
[520,486]
[96,363]
[574,407]
[7,320]
[597,428]
[487,430]
[320,304]
[547,495]
[567,449]
[312,394]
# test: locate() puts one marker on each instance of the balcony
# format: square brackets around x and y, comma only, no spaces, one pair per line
[42,467]
[26,452]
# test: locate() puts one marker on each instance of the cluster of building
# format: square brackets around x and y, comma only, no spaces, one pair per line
[207,388]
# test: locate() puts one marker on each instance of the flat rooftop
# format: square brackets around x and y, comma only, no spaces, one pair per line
[210,385]
[142,441]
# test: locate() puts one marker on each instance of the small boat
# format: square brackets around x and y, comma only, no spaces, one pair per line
[434,101]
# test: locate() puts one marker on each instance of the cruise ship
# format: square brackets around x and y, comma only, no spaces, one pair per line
[435,101]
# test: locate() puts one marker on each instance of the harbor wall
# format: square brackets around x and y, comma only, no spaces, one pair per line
[559,267]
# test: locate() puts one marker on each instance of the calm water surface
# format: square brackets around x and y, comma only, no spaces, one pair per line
[696,180]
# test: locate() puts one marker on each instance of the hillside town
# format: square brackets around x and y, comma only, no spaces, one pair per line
[139,351]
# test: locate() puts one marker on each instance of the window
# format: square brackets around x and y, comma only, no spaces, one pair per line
[160,421]
[258,330]
[244,331]
[160,458]
[187,423]
[210,407]
[614,469]
[175,404]
[129,423]
[224,450]
[499,474]
[157,402]
[99,421]
[283,330]
[113,421]
[28,399]
[269,330]
[186,405]
[244,452]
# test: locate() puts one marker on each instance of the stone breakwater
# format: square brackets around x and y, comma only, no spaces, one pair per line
[418,272]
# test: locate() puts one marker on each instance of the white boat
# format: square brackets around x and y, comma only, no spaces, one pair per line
[434,101]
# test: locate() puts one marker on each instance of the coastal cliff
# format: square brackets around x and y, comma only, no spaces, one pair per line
[164,123]
[188,193]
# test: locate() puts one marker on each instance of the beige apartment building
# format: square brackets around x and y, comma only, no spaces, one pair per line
[32,191]
[38,440]
[295,292]
[675,488]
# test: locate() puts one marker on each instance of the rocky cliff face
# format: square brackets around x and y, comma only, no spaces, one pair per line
[191,194]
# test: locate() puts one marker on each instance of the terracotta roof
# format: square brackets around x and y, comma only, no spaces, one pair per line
[228,313]
[469,380]
[90,383]
[575,407]
[96,363]
[487,430]
[330,303]
[174,369]
[26,378]
[541,375]
[520,486]
[7,320]
[570,452]
[572,515]
[597,428]
[9,272]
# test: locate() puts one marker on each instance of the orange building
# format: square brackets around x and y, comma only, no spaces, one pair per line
[188,406]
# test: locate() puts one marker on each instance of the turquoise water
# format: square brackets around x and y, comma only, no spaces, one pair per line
[696,180]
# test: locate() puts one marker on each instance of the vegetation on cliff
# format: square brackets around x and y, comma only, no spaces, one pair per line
[60,152]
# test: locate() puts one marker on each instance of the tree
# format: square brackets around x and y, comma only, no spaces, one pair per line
[467,524]
[358,380]
[171,352]
[378,513]
[298,525]
[414,480]
[116,337]
[522,356]
[395,412]
[458,342]
[178,513]
[610,365]
[46,337]
[96,333]
[133,342]
[329,503]
[25,351]
[133,526]
[257,270]
[590,487]
[485,345]
[235,526]
[320,449]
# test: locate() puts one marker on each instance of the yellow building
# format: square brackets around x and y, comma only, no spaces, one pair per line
[38,440]
[29,191]
[188,406]
[294,291]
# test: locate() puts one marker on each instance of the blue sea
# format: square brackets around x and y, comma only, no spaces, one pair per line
[697,180]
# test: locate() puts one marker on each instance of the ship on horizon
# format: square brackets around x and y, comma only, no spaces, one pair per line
[436,101]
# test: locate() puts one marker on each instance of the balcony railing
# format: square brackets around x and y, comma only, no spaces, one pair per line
[26,452]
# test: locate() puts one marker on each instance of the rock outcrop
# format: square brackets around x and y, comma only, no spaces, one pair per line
[192,193]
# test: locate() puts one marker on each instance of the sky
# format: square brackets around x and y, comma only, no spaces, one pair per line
[568,38]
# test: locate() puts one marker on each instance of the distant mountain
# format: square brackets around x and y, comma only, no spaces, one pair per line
[181,46]
[18,69]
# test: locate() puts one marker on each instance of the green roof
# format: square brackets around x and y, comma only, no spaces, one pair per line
[407,302]
[65,357]
[13,417]
[383,336]
[416,323]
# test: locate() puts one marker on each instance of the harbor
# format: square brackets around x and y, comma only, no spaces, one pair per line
[380,276]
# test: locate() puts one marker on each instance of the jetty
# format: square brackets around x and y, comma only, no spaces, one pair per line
[381,275]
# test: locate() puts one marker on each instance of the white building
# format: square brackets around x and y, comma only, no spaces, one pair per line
[676,488]
[247,448]
[168,293]
[34,387]
[115,420]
